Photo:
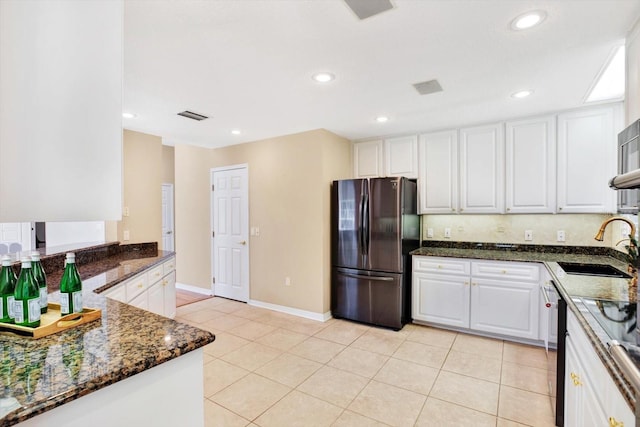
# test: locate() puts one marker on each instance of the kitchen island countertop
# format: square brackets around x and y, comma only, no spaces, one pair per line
[41,374]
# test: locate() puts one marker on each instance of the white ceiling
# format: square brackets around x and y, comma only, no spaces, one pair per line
[248,64]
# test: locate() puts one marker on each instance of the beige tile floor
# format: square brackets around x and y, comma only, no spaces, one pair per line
[272,369]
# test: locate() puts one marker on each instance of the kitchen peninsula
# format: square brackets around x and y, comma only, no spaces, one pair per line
[130,367]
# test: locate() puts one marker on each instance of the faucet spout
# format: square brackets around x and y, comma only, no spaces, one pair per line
[600,235]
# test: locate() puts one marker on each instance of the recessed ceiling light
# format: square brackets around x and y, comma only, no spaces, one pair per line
[382,119]
[128,115]
[236,131]
[521,94]
[323,77]
[528,20]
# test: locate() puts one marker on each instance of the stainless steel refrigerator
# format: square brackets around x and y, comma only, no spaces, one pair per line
[374,227]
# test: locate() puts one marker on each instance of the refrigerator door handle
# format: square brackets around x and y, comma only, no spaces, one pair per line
[361,226]
[365,223]
[377,278]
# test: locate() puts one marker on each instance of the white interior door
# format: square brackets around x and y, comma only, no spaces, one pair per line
[167,217]
[230,223]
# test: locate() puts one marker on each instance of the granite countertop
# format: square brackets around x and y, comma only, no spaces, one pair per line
[571,287]
[40,374]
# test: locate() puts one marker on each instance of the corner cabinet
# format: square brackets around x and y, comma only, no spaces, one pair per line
[493,297]
[482,169]
[391,157]
[587,159]
[531,165]
[438,172]
[153,290]
[591,396]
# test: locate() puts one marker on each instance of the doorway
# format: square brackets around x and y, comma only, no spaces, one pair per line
[230,232]
[168,240]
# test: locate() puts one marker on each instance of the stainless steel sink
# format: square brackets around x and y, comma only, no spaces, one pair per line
[602,270]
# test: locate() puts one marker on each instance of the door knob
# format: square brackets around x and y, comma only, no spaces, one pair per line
[244,242]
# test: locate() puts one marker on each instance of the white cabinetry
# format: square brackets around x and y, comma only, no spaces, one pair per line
[153,290]
[58,59]
[586,159]
[494,297]
[591,396]
[482,169]
[401,156]
[438,172]
[531,165]
[391,157]
[367,159]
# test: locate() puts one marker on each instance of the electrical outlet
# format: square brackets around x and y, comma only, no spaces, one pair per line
[447,233]
[125,235]
[125,211]
[429,233]
[257,231]
[625,230]
[528,235]
[287,281]
[560,236]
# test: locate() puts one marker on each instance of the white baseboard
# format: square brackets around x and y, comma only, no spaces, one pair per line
[321,317]
[195,289]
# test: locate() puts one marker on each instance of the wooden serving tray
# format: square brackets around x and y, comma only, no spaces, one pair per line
[51,322]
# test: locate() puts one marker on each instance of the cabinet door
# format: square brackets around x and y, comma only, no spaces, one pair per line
[117,293]
[401,157]
[141,301]
[155,298]
[482,169]
[441,299]
[573,407]
[531,165]
[438,172]
[505,307]
[586,159]
[169,283]
[367,159]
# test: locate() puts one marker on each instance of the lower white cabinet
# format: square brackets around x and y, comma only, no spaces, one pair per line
[153,290]
[489,296]
[591,396]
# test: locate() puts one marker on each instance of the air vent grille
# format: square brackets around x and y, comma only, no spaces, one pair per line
[191,115]
[425,88]
[366,8]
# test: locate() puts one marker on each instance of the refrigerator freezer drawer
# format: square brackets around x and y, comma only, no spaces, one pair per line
[368,297]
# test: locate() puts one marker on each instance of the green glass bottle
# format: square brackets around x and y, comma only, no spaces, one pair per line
[70,287]
[41,280]
[26,307]
[7,289]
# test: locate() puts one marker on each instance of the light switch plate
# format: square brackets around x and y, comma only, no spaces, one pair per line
[429,233]
[125,235]
[528,235]
[447,233]
[560,236]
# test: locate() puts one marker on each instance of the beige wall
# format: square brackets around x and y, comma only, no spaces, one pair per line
[192,216]
[289,181]
[632,96]
[168,164]
[142,164]
[579,228]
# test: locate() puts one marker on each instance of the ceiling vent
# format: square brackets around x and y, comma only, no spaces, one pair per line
[367,8]
[425,88]
[191,115]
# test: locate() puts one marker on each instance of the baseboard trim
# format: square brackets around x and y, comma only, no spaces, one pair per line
[321,317]
[194,289]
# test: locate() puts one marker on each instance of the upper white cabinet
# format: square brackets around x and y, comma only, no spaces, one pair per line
[531,165]
[401,156]
[367,159]
[61,110]
[391,157]
[438,172]
[586,159]
[482,169]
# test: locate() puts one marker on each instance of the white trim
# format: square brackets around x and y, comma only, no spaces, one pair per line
[194,289]
[320,317]
[173,215]
[230,167]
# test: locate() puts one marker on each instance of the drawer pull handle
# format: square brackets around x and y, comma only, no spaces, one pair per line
[139,285]
[504,271]
[439,266]
[576,379]
[615,423]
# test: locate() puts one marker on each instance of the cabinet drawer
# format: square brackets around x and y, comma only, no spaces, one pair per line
[427,264]
[506,270]
[168,266]
[136,286]
[155,274]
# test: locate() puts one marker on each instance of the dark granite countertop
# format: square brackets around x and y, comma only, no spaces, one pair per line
[571,287]
[40,374]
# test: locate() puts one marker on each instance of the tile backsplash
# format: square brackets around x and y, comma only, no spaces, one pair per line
[579,229]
